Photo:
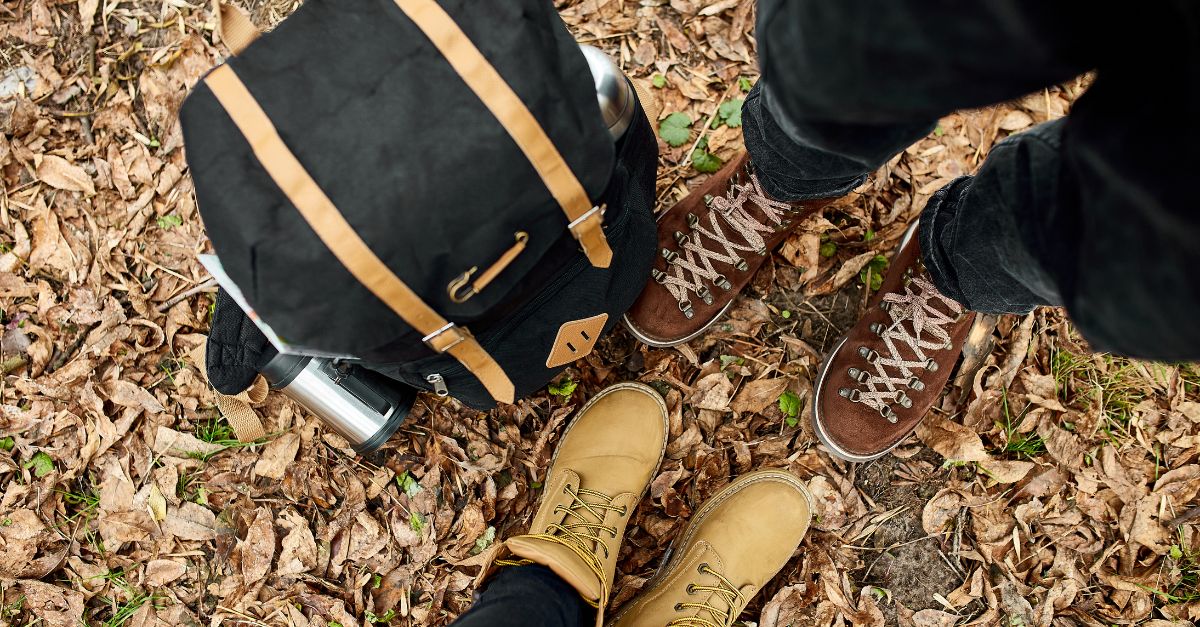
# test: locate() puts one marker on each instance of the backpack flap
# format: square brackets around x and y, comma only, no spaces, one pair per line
[417,165]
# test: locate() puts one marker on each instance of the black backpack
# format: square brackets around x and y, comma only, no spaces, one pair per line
[456,215]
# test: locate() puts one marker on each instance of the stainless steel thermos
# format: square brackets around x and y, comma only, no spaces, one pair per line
[613,91]
[366,407]
[362,406]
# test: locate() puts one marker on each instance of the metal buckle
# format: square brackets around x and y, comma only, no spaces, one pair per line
[462,337]
[598,209]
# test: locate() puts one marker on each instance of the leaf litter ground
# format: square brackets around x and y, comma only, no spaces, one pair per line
[1050,486]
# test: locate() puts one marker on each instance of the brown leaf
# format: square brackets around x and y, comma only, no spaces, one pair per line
[127,394]
[163,572]
[190,521]
[61,174]
[121,527]
[1016,120]
[951,440]
[298,550]
[277,456]
[1004,471]
[757,395]
[257,551]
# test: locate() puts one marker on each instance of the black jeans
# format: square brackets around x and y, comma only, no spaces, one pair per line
[527,596]
[1091,212]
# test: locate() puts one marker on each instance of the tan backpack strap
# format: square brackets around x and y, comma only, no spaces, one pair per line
[237,411]
[483,79]
[235,29]
[341,239]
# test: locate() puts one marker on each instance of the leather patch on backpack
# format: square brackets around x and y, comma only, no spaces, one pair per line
[575,339]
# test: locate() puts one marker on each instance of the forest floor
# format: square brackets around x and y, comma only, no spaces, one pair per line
[1049,486]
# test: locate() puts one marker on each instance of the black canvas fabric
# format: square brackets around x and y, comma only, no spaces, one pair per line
[429,179]
[236,350]
[409,155]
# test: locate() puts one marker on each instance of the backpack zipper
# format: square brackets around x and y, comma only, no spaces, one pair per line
[439,385]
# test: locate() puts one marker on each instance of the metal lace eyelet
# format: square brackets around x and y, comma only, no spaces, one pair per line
[691,589]
[930,365]
[916,384]
[705,295]
[678,607]
[703,567]
[859,375]
[868,354]
[681,238]
[659,276]
[741,265]
[849,393]
[670,255]
[692,221]
[877,328]
[722,282]
[886,412]
[685,306]
[708,200]
[624,511]
[903,399]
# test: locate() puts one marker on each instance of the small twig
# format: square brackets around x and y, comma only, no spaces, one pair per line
[1185,517]
[207,286]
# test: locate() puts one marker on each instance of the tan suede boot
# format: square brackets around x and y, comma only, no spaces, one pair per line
[735,543]
[600,470]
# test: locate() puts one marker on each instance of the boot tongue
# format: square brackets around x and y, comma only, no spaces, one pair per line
[560,559]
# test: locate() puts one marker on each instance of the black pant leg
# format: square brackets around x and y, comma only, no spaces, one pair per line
[847,85]
[527,596]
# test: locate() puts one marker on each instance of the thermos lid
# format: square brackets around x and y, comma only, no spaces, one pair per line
[614,94]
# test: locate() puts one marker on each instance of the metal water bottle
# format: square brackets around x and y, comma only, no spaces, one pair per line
[613,91]
[362,406]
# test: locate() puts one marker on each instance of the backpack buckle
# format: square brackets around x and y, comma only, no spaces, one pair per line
[439,344]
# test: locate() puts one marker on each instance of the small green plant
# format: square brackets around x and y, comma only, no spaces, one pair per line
[169,221]
[659,81]
[828,249]
[564,388]
[785,314]
[744,84]
[484,541]
[873,272]
[119,612]
[408,484]
[217,431]
[41,464]
[386,617]
[789,404]
[1021,445]
[732,360]
[416,520]
[675,129]
[703,160]
[729,114]
[7,444]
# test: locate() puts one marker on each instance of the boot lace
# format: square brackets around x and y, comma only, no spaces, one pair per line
[888,375]
[688,271]
[721,617]
[583,532]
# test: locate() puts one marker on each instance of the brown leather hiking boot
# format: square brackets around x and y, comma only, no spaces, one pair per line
[734,544]
[882,378]
[599,472]
[710,244]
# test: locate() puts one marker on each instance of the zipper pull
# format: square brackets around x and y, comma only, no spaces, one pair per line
[439,385]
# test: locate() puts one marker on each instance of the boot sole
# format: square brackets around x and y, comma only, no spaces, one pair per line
[684,539]
[656,343]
